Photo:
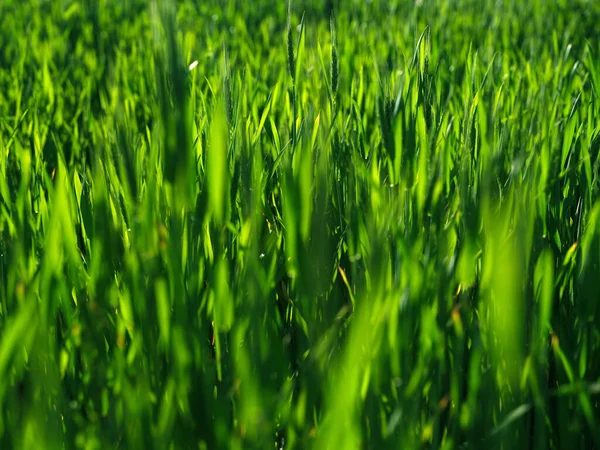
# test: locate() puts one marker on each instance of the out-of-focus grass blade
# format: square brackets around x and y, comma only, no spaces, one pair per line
[512,417]
[544,291]
[217,167]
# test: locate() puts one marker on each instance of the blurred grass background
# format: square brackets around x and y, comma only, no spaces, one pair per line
[338,224]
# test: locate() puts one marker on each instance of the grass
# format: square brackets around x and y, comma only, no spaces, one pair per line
[348,225]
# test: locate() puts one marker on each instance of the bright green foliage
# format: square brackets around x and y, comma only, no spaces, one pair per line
[307,224]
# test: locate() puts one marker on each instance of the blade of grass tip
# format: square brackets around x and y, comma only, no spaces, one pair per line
[324,71]
[290,45]
[227,96]
[279,158]
[335,69]
[263,119]
[300,47]
[512,417]
[291,62]
[15,130]
[417,52]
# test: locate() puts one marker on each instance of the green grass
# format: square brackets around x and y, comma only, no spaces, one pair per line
[351,225]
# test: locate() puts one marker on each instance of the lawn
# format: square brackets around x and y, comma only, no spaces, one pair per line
[317,224]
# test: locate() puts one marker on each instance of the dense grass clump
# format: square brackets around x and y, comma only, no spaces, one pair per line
[307,224]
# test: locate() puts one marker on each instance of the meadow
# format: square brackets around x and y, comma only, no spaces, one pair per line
[316,224]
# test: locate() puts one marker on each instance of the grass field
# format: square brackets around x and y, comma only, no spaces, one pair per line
[324,224]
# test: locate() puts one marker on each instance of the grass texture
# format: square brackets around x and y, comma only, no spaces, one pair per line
[317,224]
